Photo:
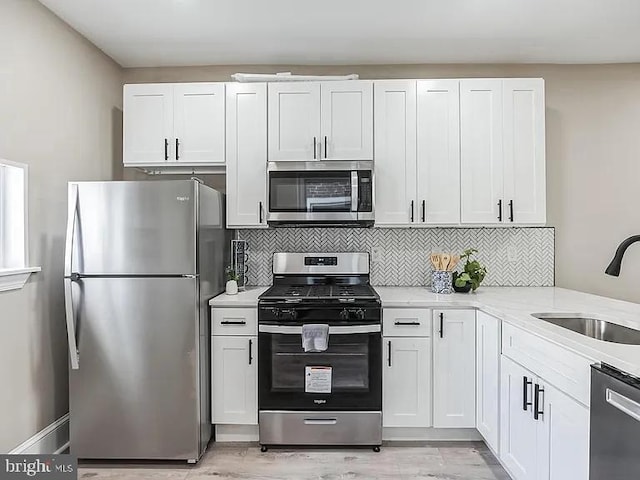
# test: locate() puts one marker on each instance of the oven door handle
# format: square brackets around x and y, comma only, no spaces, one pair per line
[354,191]
[333,330]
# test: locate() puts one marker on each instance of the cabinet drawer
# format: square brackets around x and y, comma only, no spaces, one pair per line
[406,322]
[566,370]
[234,321]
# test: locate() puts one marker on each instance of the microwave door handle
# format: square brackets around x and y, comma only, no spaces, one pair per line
[354,191]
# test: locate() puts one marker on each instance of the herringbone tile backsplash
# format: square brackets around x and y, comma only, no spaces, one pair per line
[404,258]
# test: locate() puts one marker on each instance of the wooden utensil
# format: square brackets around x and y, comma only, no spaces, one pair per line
[435,260]
[454,262]
[444,263]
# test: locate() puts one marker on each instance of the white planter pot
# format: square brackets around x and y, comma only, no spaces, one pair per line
[231,288]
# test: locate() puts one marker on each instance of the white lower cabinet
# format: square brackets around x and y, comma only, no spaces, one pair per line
[454,368]
[488,378]
[406,381]
[517,426]
[234,380]
[544,433]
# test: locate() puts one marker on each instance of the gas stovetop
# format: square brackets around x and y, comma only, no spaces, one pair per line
[320,292]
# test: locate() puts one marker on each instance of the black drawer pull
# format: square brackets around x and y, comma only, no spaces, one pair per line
[500,210]
[511,210]
[166,149]
[537,403]
[525,393]
[233,322]
[389,346]
[441,325]
[250,349]
[407,323]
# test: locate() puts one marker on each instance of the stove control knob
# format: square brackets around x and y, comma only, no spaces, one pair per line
[360,314]
[344,314]
[290,314]
[276,312]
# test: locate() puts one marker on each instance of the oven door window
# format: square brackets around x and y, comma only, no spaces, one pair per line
[310,191]
[347,355]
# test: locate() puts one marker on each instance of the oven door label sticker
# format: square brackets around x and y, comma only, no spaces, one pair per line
[317,379]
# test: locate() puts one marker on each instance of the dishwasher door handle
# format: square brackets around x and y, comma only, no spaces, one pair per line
[624,404]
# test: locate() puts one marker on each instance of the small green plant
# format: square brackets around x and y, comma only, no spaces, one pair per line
[231,273]
[473,272]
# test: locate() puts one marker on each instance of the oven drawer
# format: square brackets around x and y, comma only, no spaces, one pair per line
[406,322]
[320,428]
[234,321]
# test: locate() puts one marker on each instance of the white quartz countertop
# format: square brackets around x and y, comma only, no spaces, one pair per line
[514,305]
[248,298]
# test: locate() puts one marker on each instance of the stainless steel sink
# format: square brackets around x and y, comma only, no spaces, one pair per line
[592,327]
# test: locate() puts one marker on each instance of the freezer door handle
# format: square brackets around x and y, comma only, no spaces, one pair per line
[71,326]
[624,404]
[71,223]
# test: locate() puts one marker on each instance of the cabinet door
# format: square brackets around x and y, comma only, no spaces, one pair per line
[294,121]
[347,120]
[246,154]
[198,122]
[234,380]
[148,123]
[488,378]
[395,146]
[406,382]
[438,156]
[563,437]
[454,370]
[481,151]
[517,426]
[524,150]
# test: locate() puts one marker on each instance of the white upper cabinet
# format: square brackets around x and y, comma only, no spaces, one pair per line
[438,151]
[481,151]
[246,155]
[148,123]
[488,378]
[171,124]
[294,121]
[395,147]
[406,380]
[347,120]
[524,150]
[199,120]
[454,369]
[321,121]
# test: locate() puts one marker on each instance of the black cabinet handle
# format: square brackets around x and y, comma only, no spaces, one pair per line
[441,325]
[407,323]
[424,210]
[166,149]
[260,211]
[500,210]
[525,393]
[325,146]
[537,411]
[389,348]
[177,148]
[412,210]
[233,322]
[314,148]
[511,210]
[250,350]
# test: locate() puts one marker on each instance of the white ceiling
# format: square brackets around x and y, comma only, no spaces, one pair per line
[139,33]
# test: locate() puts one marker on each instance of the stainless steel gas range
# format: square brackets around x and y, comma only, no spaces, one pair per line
[328,397]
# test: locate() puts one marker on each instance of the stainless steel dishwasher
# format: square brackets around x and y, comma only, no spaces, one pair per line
[615,424]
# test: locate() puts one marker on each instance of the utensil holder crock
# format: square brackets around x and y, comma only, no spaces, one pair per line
[442,281]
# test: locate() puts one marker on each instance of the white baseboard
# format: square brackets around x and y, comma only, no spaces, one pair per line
[236,433]
[426,434]
[53,438]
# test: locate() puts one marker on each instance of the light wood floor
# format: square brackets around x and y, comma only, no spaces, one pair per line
[433,461]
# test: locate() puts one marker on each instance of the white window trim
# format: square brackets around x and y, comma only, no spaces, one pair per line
[15,278]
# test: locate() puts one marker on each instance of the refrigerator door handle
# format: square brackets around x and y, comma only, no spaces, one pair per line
[71,326]
[68,260]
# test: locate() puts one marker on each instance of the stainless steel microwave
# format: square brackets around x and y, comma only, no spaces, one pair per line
[331,193]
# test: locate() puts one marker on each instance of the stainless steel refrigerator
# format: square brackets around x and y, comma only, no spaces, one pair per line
[142,259]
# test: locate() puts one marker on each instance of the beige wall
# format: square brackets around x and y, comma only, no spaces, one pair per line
[60,107]
[593,154]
